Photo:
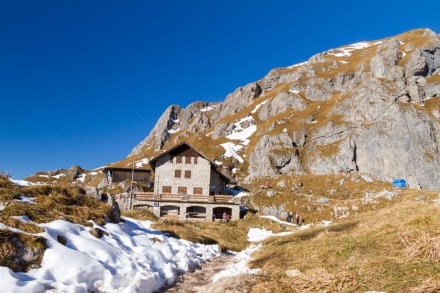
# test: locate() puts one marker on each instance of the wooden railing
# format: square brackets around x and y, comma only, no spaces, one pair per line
[182,197]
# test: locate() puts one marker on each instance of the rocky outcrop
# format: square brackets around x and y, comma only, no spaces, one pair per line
[237,101]
[273,155]
[383,64]
[280,104]
[195,119]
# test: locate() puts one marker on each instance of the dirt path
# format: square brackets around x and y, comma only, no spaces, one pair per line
[200,280]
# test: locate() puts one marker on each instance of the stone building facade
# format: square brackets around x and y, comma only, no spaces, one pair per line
[185,171]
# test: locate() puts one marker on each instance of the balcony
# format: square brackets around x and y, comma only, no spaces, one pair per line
[150,196]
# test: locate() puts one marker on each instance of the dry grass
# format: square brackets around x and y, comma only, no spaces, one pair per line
[140,214]
[434,79]
[74,207]
[302,192]
[421,244]
[27,227]
[14,246]
[229,236]
[433,104]
[394,249]
[8,190]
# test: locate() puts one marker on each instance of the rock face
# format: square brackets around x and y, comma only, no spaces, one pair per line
[373,107]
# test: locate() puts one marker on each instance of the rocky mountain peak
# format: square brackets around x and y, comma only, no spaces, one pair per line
[371,107]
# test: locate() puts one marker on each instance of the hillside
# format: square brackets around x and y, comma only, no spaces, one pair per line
[379,239]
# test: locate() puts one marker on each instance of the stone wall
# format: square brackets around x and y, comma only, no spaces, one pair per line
[165,174]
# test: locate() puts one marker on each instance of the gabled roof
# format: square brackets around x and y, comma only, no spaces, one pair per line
[125,169]
[182,145]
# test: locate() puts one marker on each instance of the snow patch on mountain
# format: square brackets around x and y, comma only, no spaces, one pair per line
[241,133]
[346,51]
[243,129]
[231,151]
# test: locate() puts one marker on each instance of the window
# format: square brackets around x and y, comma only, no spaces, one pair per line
[166,189]
[187,174]
[197,190]
[187,160]
[195,160]
[178,159]
[182,190]
[177,173]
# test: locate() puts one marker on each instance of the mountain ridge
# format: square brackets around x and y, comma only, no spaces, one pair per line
[356,107]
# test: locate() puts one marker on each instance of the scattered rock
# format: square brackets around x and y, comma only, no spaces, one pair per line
[293,273]
[323,200]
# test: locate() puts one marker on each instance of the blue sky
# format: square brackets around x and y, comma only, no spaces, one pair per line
[82,82]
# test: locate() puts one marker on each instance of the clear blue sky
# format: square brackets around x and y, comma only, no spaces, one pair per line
[84,81]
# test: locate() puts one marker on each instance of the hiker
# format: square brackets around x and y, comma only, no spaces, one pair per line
[288,217]
[297,218]
[225,217]
[104,197]
[266,185]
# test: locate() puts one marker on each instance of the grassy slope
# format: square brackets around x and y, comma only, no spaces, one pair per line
[390,245]
[394,249]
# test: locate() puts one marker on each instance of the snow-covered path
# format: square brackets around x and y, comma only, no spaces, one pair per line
[195,281]
[225,273]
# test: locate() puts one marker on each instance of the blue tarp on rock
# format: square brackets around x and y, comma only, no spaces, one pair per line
[400,183]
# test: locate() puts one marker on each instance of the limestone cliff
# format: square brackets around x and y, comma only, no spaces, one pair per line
[373,107]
